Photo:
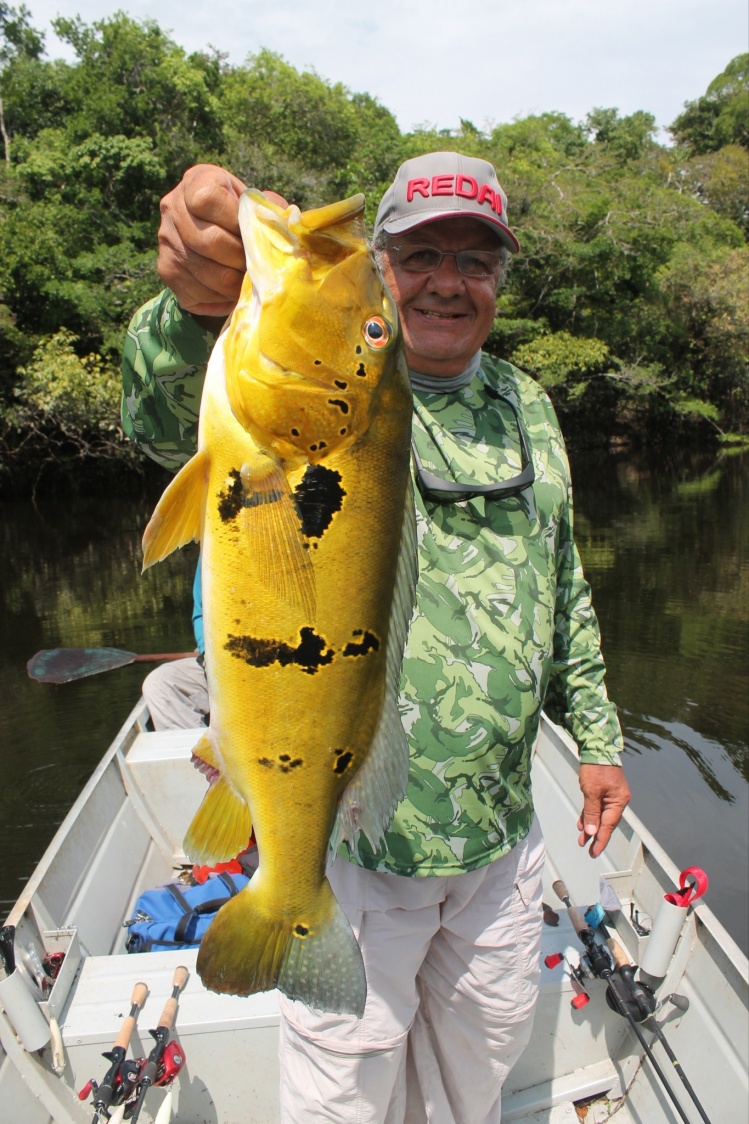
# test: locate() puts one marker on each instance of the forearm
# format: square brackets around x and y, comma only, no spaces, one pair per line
[163,369]
[577,696]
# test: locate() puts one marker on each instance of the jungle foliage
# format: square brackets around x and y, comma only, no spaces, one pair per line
[629,301]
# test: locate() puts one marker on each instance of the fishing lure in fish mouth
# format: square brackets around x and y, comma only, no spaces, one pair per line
[300,496]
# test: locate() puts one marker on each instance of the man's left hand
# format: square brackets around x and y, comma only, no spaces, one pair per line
[605,796]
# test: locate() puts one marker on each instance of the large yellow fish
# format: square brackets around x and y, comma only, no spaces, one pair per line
[301,498]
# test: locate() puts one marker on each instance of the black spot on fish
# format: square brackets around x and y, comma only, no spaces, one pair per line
[358,349]
[318,362]
[309,654]
[341,384]
[368,643]
[343,760]
[284,757]
[230,502]
[361,371]
[313,448]
[340,403]
[301,930]
[265,762]
[318,496]
[295,433]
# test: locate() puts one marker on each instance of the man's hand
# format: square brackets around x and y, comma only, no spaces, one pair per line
[605,796]
[201,257]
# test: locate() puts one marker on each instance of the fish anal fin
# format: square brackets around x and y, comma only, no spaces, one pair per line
[221,827]
[206,752]
[272,522]
[177,517]
[368,803]
[313,957]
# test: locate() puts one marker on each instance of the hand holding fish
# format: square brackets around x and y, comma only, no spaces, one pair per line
[201,257]
[605,796]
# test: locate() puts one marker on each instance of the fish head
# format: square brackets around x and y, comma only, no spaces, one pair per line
[315,335]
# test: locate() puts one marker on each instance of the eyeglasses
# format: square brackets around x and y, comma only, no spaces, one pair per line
[450,491]
[426,259]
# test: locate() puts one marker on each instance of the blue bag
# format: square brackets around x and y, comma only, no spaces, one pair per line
[170,917]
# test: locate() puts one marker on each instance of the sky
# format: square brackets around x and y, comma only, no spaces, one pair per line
[433,62]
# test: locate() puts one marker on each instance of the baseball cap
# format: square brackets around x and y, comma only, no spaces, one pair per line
[441,185]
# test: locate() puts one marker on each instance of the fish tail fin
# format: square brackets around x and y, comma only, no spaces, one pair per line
[313,957]
[221,827]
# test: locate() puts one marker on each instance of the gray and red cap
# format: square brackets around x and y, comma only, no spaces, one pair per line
[442,185]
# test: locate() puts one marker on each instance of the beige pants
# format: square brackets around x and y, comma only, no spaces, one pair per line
[177,695]
[452,971]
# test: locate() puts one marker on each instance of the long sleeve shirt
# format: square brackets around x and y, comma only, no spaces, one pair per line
[503,625]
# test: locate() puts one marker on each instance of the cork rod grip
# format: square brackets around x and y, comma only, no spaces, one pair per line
[140,991]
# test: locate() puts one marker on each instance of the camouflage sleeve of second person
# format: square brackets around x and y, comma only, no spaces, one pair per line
[163,368]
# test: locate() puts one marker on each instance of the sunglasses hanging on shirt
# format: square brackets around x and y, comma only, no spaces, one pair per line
[439,490]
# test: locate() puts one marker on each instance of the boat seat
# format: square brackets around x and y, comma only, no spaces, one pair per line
[170,787]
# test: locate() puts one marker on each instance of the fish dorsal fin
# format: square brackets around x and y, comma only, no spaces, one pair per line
[370,800]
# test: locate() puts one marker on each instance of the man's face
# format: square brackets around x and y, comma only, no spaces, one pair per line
[445,316]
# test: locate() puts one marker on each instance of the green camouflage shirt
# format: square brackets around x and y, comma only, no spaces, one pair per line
[503,624]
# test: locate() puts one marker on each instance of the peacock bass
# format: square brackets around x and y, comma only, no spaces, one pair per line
[300,496]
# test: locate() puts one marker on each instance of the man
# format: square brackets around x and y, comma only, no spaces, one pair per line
[447,912]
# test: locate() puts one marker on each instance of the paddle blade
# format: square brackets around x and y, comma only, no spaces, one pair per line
[61,665]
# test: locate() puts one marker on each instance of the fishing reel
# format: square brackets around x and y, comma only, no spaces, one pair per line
[126,1082]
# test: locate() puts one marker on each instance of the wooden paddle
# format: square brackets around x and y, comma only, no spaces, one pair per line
[62,665]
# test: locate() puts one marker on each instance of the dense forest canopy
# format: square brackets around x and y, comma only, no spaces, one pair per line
[629,301]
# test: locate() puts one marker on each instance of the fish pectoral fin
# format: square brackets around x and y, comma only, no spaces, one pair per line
[272,523]
[177,517]
[368,803]
[312,956]
[221,827]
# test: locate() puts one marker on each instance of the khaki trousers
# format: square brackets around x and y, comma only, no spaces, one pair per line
[452,969]
[177,695]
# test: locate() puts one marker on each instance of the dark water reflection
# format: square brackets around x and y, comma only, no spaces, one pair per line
[665,544]
[665,541]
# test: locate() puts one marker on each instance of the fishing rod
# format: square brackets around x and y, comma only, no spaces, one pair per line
[625,995]
[64,665]
[149,1073]
[104,1092]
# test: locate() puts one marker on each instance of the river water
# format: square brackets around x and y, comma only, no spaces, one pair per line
[665,542]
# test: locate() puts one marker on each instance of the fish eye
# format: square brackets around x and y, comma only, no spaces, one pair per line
[377,332]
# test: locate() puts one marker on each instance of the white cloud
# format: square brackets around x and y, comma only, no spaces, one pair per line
[435,61]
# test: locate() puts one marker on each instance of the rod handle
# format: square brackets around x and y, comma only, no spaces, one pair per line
[621,960]
[122,1041]
[169,1013]
[181,976]
[579,923]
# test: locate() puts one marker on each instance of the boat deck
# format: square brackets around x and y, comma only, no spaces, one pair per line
[130,820]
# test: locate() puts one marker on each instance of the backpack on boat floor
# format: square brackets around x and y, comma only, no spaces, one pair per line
[170,917]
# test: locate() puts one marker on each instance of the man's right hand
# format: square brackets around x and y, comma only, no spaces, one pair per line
[201,257]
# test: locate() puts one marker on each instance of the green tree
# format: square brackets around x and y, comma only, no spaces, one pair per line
[721,116]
